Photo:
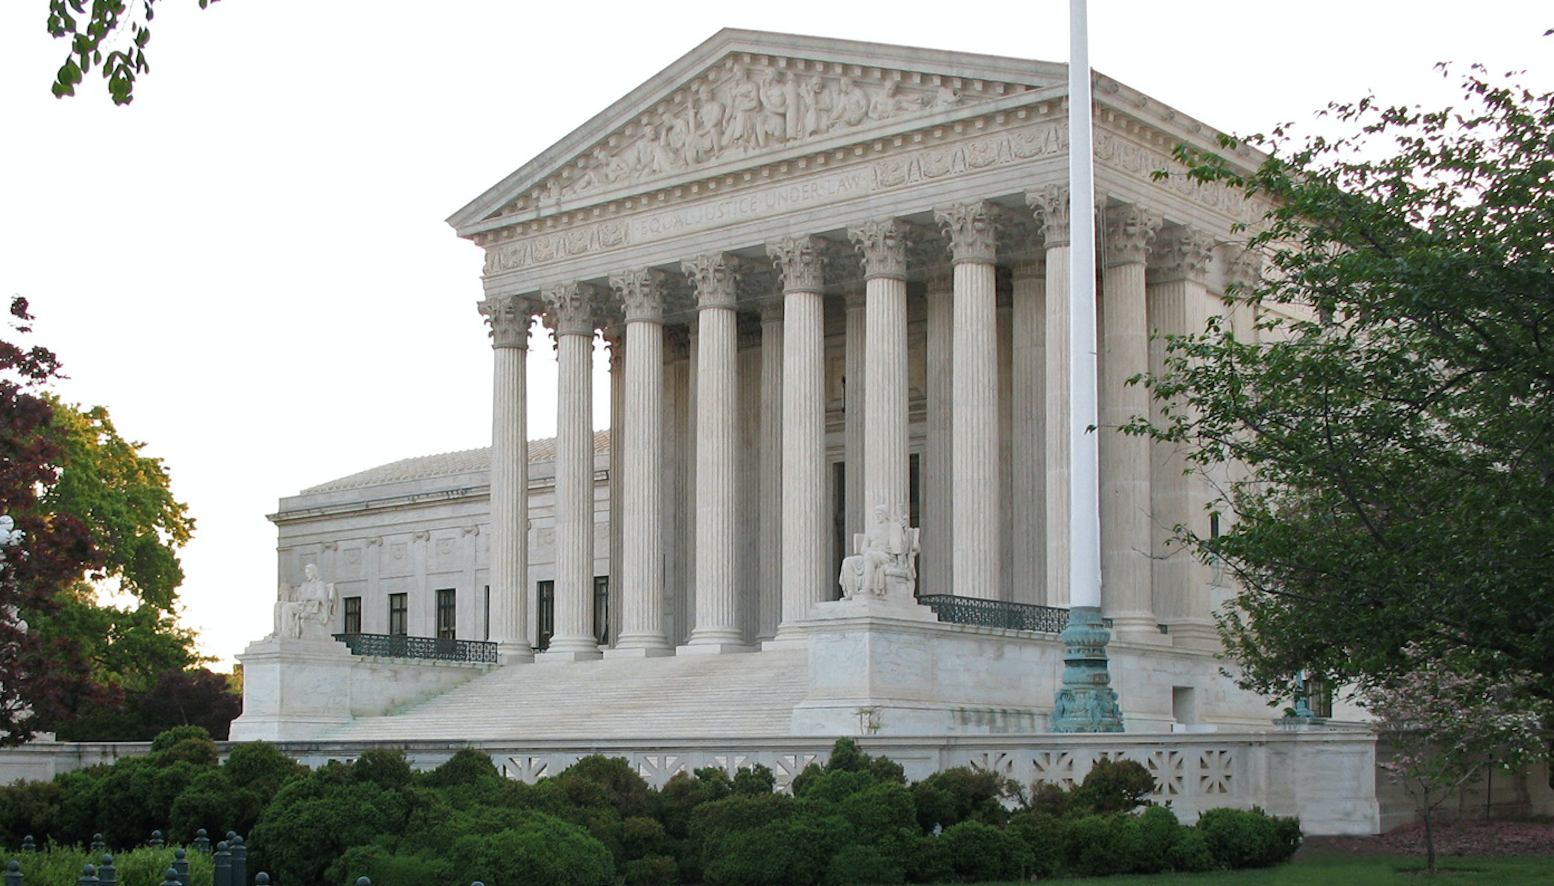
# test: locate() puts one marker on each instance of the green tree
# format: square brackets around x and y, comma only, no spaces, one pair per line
[1382,435]
[110,36]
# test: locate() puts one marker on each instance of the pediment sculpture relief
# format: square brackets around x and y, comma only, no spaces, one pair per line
[740,109]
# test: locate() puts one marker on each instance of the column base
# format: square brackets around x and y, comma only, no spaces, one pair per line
[712,648]
[514,653]
[1195,634]
[558,656]
[638,652]
[1139,628]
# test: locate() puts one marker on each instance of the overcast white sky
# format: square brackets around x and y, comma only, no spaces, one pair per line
[249,265]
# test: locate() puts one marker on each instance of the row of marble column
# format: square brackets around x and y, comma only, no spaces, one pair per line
[1144,494]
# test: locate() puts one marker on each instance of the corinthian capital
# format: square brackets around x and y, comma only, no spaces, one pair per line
[1051,203]
[643,293]
[508,316]
[1181,253]
[715,279]
[1129,231]
[801,261]
[883,245]
[972,229]
[570,308]
[1243,268]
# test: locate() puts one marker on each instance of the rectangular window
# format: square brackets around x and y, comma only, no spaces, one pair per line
[399,610]
[602,609]
[447,613]
[545,607]
[353,615]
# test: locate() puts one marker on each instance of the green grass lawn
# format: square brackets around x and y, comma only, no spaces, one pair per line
[1348,870]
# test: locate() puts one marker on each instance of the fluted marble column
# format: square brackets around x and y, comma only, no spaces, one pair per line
[1028,455]
[1124,458]
[509,318]
[883,245]
[1178,302]
[771,466]
[614,335]
[570,313]
[1052,205]
[854,387]
[974,401]
[641,579]
[803,553]
[935,570]
[715,278]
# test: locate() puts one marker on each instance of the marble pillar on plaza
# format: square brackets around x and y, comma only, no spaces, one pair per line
[716,278]
[571,310]
[883,245]
[1126,520]
[509,318]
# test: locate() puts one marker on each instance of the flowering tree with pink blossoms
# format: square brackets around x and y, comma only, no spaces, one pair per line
[1448,726]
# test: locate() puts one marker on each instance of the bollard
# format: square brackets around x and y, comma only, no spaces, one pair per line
[97,844]
[107,874]
[156,841]
[88,876]
[223,859]
[261,879]
[170,878]
[363,881]
[239,862]
[28,845]
[202,842]
[13,873]
[181,865]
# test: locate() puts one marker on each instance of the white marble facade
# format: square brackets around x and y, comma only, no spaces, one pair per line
[832,276]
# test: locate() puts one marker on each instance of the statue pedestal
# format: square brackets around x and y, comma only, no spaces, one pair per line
[867,661]
[294,689]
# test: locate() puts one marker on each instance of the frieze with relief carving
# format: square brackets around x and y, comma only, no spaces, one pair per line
[750,104]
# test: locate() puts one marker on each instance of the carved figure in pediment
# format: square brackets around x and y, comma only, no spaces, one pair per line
[744,127]
[852,104]
[651,155]
[893,101]
[947,97]
[707,113]
[780,98]
[818,100]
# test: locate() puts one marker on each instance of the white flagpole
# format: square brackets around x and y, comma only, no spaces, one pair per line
[1084,495]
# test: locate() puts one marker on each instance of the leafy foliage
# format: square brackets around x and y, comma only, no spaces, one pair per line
[111,36]
[1378,408]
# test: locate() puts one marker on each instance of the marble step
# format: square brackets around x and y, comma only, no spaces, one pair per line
[684,696]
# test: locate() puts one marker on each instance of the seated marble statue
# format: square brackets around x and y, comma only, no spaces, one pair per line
[883,551]
[308,610]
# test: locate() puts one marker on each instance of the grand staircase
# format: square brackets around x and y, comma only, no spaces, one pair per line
[685,696]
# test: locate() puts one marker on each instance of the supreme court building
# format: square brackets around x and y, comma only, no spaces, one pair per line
[833,280]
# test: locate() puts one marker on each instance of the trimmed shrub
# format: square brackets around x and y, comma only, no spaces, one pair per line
[1157,831]
[1100,845]
[860,863]
[1113,786]
[980,852]
[1190,853]
[930,861]
[650,870]
[961,794]
[754,780]
[1042,835]
[793,851]
[399,869]
[624,789]
[382,767]
[545,852]
[1248,838]
[467,766]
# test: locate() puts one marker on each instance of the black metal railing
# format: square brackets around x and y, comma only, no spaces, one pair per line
[996,613]
[433,648]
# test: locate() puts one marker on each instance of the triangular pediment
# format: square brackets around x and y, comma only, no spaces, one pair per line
[744,98]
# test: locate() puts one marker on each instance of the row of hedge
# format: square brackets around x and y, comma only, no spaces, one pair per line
[853,820]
